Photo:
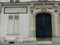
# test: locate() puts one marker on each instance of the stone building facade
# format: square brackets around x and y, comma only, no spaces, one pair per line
[23,22]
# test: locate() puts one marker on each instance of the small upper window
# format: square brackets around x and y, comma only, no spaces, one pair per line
[10,17]
[11,1]
[17,1]
[59,16]
[16,17]
[42,0]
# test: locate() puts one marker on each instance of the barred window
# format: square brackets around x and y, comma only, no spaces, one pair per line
[42,0]
[59,15]
[10,17]
[11,1]
[16,17]
[16,1]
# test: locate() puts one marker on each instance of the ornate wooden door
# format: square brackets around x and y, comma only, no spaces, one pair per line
[43,26]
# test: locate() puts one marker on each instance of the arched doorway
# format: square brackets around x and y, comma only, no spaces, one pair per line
[43,27]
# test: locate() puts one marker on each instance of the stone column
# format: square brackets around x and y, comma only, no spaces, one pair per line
[32,23]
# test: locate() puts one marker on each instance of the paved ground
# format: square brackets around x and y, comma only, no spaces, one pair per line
[22,44]
[29,44]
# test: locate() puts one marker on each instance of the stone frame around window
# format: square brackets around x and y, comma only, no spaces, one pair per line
[33,26]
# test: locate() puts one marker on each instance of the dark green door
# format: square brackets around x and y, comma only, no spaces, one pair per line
[43,25]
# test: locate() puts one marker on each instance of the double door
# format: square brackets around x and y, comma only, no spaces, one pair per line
[43,26]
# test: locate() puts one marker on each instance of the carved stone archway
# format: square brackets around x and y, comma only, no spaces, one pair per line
[33,21]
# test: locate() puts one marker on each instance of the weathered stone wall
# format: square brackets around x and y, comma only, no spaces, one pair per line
[27,19]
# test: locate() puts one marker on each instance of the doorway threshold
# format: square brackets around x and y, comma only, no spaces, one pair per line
[44,42]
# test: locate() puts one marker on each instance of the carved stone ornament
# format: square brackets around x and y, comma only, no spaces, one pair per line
[31,11]
[43,9]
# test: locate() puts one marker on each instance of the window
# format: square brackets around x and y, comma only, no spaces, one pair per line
[10,17]
[16,17]
[59,15]
[11,1]
[42,0]
[13,25]
[16,1]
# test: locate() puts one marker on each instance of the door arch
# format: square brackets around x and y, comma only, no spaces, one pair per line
[43,26]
